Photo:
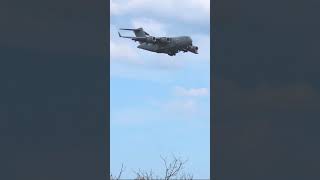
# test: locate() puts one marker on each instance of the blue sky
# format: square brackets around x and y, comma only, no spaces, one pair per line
[160,104]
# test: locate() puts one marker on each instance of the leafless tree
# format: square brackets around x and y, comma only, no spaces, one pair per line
[119,175]
[144,175]
[173,168]
[185,176]
[173,171]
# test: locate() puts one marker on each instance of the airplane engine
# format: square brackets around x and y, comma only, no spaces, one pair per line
[193,49]
[151,39]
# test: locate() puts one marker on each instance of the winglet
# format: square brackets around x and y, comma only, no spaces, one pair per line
[119,34]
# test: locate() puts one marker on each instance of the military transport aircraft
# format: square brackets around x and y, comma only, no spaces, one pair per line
[167,45]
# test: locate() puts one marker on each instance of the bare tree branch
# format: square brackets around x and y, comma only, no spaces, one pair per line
[119,175]
[173,170]
[186,177]
[144,175]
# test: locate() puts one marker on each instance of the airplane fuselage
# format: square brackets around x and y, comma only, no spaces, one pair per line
[173,46]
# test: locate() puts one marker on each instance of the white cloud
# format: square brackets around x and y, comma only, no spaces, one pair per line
[189,109]
[193,92]
[121,50]
[153,27]
[186,10]
[186,104]
[115,7]
[181,107]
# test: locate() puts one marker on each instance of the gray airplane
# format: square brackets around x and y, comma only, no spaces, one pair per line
[167,45]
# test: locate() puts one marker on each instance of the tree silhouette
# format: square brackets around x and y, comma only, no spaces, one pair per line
[173,171]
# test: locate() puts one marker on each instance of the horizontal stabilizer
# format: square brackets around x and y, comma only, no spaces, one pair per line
[128,29]
[139,32]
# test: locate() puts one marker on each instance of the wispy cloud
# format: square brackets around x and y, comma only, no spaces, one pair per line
[115,7]
[181,107]
[120,50]
[191,92]
[153,27]
[184,104]
[183,10]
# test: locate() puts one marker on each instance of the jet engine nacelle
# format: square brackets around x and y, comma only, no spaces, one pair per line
[151,39]
[193,49]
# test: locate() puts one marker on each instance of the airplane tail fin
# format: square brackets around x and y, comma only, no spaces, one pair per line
[139,32]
